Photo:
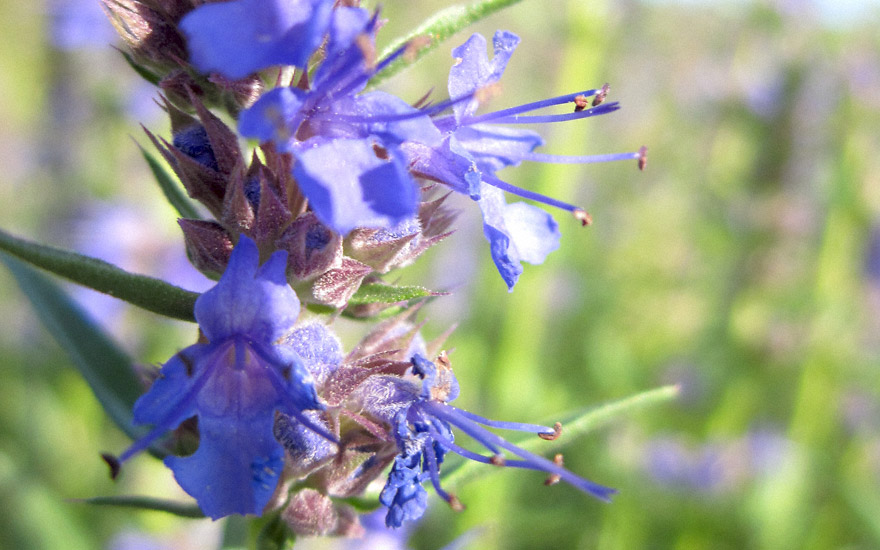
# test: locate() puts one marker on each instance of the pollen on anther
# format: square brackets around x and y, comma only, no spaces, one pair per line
[582,216]
[600,97]
[580,103]
[643,158]
[553,479]
[455,504]
[557,431]
[497,460]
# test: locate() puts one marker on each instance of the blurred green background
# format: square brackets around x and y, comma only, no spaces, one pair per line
[743,265]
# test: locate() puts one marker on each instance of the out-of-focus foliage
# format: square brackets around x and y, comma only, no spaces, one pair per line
[744,264]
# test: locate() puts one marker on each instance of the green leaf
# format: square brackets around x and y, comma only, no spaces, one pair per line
[170,188]
[381,293]
[574,426]
[147,292]
[106,368]
[147,503]
[438,28]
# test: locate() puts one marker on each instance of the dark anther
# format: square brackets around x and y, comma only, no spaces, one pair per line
[600,97]
[187,364]
[643,157]
[582,216]
[285,372]
[113,463]
[557,431]
[580,103]
[381,152]
[497,460]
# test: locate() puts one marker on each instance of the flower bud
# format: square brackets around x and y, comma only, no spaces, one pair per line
[208,245]
[312,248]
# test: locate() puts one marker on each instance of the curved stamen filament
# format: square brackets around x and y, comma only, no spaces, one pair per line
[526,194]
[520,427]
[580,159]
[527,107]
[603,109]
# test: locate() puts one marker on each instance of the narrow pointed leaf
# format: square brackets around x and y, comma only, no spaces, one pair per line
[381,293]
[147,503]
[146,292]
[168,183]
[105,367]
[438,28]
[145,73]
[574,426]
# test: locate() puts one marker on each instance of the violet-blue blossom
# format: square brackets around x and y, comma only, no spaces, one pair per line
[472,151]
[240,37]
[421,421]
[234,383]
[346,144]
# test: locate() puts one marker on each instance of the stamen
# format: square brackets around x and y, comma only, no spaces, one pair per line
[557,431]
[113,463]
[643,158]
[455,504]
[600,97]
[531,195]
[497,460]
[581,159]
[603,109]
[526,107]
[582,216]
[434,473]
[580,103]
[537,462]
[517,426]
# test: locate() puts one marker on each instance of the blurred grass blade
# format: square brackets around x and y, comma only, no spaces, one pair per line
[168,183]
[146,292]
[106,368]
[147,503]
[438,28]
[574,426]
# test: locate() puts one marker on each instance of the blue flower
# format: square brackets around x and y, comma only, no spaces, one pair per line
[234,383]
[238,38]
[473,151]
[347,145]
[421,420]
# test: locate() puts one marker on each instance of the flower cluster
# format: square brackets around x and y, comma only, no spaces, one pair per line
[340,191]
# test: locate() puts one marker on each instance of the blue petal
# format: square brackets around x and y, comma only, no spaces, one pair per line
[272,117]
[494,147]
[504,254]
[403,493]
[167,402]
[260,304]
[235,469]
[376,104]
[349,186]
[534,233]
[473,70]
[240,37]
[319,349]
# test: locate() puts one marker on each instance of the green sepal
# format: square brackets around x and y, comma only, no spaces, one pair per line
[381,293]
[106,368]
[144,73]
[574,425]
[170,188]
[274,534]
[147,503]
[438,28]
[146,292]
